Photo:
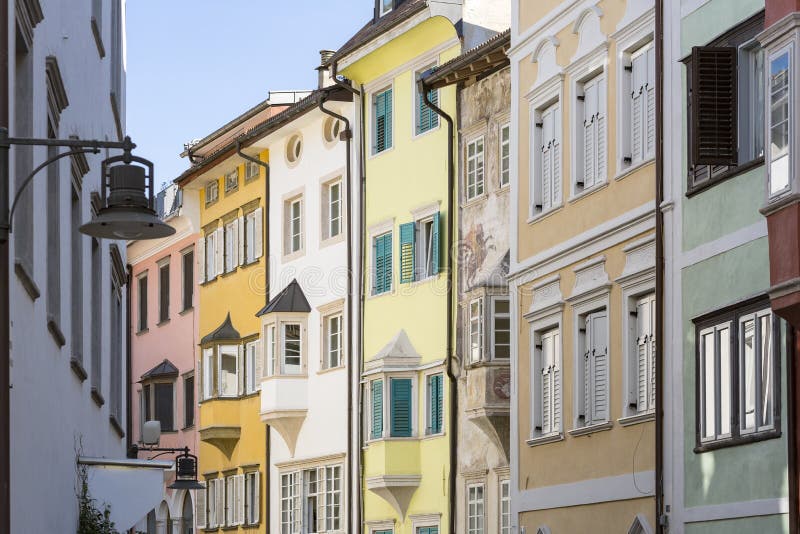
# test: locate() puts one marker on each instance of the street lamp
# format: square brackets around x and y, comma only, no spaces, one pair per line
[185,462]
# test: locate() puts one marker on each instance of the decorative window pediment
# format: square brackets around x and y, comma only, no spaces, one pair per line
[398,353]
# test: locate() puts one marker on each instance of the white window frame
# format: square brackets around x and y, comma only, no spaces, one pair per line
[382,7]
[252,170]
[504,161]
[232,181]
[252,481]
[270,348]
[428,411]
[294,226]
[231,246]
[327,334]
[423,261]
[207,387]
[584,313]
[211,255]
[504,493]
[290,495]
[331,495]
[772,191]
[752,82]
[212,192]
[251,354]
[250,236]
[327,209]
[475,330]
[476,508]
[493,326]
[285,368]
[475,179]
[720,422]
[759,426]
[547,325]
[539,112]
[595,79]
[228,350]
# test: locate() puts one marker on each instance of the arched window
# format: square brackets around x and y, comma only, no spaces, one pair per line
[187,515]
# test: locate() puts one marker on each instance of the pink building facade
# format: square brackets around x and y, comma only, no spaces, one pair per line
[163,323]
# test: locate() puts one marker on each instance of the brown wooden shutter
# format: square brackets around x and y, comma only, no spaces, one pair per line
[714,105]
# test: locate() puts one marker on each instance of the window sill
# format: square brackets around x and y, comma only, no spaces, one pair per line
[330,241]
[330,369]
[26,280]
[187,428]
[142,331]
[587,192]
[379,295]
[55,331]
[207,282]
[97,397]
[740,440]
[421,281]
[637,419]
[209,204]
[373,154]
[469,202]
[393,438]
[77,367]
[116,426]
[162,323]
[428,437]
[419,135]
[185,311]
[231,191]
[632,168]
[591,429]
[544,215]
[227,273]
[496,362]
[543,440]
[293,255]
[736,171]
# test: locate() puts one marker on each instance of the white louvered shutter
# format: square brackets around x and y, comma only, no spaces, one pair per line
[556,382]
[642,350]
[600,126]
[551,377]
[599,348]
[200,259]
[239,499]
[211,503]
[210,256]
[547,399]
[652,356]
[240,370]
[259,234]
[240,239]
[219,250]
[586,410]
[556,156]
[200,506]
[638,100]
[258,365]
[256,498]
[650,104]
[589,134]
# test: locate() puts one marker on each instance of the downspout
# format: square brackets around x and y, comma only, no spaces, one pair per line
[268,436]
[5,282]
[348,136]
[128,366]
[423,90]
[661,518]
[357,507]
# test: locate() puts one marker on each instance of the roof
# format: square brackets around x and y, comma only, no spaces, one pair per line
[224,332]
[377,26]
[162,370]
[290,300]
[485,58]
[264,128]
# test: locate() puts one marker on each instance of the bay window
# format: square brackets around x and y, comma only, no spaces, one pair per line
[779,122]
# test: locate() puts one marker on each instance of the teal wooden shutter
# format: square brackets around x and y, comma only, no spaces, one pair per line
[387,262]
[383,120]
[377,408]
[435,245]
[401,407]
[435,403]
[387,111]
[379,267]
[407,249]
[427,118]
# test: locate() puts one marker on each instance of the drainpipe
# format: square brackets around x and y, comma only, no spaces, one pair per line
[423,90]
[5,307]
[267,437]
[348,136]
[357,507]
[128,367]
[661,518]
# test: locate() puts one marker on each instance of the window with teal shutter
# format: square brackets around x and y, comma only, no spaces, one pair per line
[435,245]
[427,119]
[435,394]
[383,120]
[376,393]
[407,252]
[383,264]
[427,530]
[401,407]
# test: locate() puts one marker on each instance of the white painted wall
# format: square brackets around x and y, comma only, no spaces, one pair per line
[322,273]
[52,413]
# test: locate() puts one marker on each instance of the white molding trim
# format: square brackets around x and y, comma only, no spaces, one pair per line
[736,510]
[380,40]
[597,490]
[724,244]
[554,21]
[690,6]
[431,56]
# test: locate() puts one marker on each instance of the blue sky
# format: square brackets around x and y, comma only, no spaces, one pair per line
[193,65]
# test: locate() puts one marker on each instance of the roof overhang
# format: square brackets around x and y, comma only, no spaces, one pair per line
[472,65]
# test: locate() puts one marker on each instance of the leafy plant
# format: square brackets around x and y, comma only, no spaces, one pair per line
[91,520]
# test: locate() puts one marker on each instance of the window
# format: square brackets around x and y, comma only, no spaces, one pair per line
[419,249]
[382,252]
[253,238]
[232,181]
[97,321]
[331,129]
[547,159]
[476,330]
[76,278]
[294,225]
[425,118]
[252,500]
[230,500]
[547,383]
[427,530]
[188,401]
[231,246]
[228,371]
[333,497]
[333,342]
[212,192]
[501,328]
[332,209]
[290,503]
[208,373]
[200,505]
[591,134]
[213,501]
[311,500]
[384,6]
[641,371]
[505,155]
[213,254]
[738,362]
[475,514]
[779,123]
[163,292]
[376,409]
[641,115]
[252,370]
[435,408]
[382,122]
[593,375]
[505,507]
[271,340]
[728,135]
[401,409]
[187,262]
[251,171]
[294,149]
[142,282]
[158,404]
[475,185]
[291,360]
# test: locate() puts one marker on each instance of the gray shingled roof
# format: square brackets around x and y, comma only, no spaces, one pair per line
[162,370]
[224,332]
[290,300]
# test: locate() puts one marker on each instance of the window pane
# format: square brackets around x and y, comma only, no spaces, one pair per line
[757,83]
[748,376]
[188,395]
[779,123]
[228,378]
[766,355]
[725,391]
[708,384]
[164,410]
[188,279]
[291,348]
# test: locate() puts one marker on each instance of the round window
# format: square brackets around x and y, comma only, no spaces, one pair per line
[294,147]
[331,129]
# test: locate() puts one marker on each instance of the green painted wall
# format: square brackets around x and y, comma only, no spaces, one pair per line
[748,525]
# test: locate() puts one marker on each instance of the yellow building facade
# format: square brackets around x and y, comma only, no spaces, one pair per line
[582,267]
[231,269]
[405,385]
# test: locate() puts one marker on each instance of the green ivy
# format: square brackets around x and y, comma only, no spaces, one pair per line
[90,519]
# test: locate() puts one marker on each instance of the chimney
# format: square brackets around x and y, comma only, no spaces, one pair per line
[324,69]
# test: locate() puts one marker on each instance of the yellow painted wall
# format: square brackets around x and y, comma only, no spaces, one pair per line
[410,175]
[242,294]
[615,517]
